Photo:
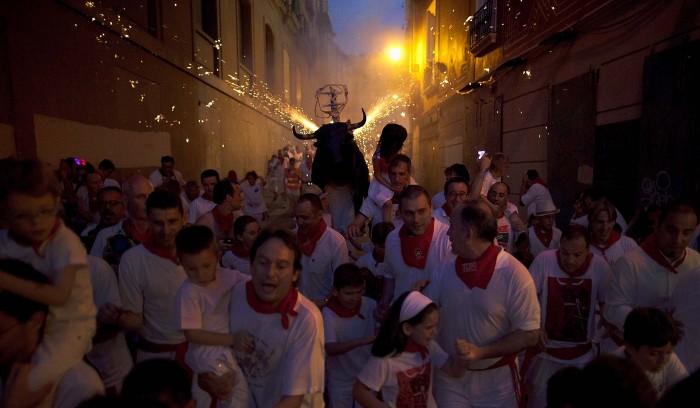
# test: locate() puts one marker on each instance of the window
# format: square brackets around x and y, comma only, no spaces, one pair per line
[269,57]
[431,30]
[246,34]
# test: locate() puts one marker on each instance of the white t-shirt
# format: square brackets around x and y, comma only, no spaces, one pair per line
[536,246]
[489,180]
[231,261]
[286,362]
[317,270]
[342,369]
[198,207]
[367,261]
[206,308]
[111,357]
[579,299]
[638,281]
[148,285]
[253,200]
[157,179]
[663,380]
[440,214]
[505,237]
[480,316]
[373,213]
[439,199]
[616,250]
[685,304]
[60,250]
[405,276]
[406,380]
[536,195]
[78,384]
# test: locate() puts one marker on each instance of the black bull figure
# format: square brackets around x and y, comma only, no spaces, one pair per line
[338,160]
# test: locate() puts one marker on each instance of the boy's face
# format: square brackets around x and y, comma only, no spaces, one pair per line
[31,218]
[349,297]
[201,267]
[652,359]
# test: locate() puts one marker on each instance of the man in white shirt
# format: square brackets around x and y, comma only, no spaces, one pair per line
[21,327]
[204,203]
[323,249]
[166,172]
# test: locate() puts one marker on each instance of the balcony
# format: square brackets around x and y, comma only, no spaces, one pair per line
[483,28]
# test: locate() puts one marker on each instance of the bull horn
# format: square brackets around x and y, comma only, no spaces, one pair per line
[302,136]
[360,123]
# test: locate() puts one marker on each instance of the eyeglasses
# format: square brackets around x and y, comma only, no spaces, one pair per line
[43,214]
[110,204]
[458,194]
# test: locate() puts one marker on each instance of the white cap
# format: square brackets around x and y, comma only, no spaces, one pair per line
[414,303]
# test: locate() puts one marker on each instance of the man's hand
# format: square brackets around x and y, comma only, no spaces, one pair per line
[243,342]
[419,285]
[109,314]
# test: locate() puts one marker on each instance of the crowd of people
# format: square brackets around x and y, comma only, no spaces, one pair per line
[156,290]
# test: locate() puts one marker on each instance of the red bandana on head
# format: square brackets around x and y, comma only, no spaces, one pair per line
[412,347]
[649,246]
[163,253]
[545,236]
[341,311]
[240,251]
[225,222]
[285,306]
[447,208]
[308,241]
[478,272]
[414,248]
[613,238]
[133,233]
[581,269]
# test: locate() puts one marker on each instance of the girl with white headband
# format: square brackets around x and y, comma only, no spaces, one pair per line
[403,357]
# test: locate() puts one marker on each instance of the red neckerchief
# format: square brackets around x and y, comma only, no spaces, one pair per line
[240,251]
[225,222]
[478,272]
[308,241]
[447,208]
[613,238]
[152,248]
[545,236]
[581,269]
[285,306]
[414,248]
[35,245]
[412,347]
[133,233]
[649,246]
[538,180]
[344,312]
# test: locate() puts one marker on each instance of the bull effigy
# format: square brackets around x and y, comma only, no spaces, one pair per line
[338,161]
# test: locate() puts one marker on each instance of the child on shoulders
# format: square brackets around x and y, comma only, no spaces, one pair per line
[30,199]
[203,305]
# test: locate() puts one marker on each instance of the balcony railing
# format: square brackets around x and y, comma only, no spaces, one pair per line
[482,28]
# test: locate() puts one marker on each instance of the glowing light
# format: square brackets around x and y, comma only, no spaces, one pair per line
[159,117]
[394,53]
[394,96]
[187,140]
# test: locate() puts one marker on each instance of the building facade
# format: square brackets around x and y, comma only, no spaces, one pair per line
[212,82]
[586,92]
